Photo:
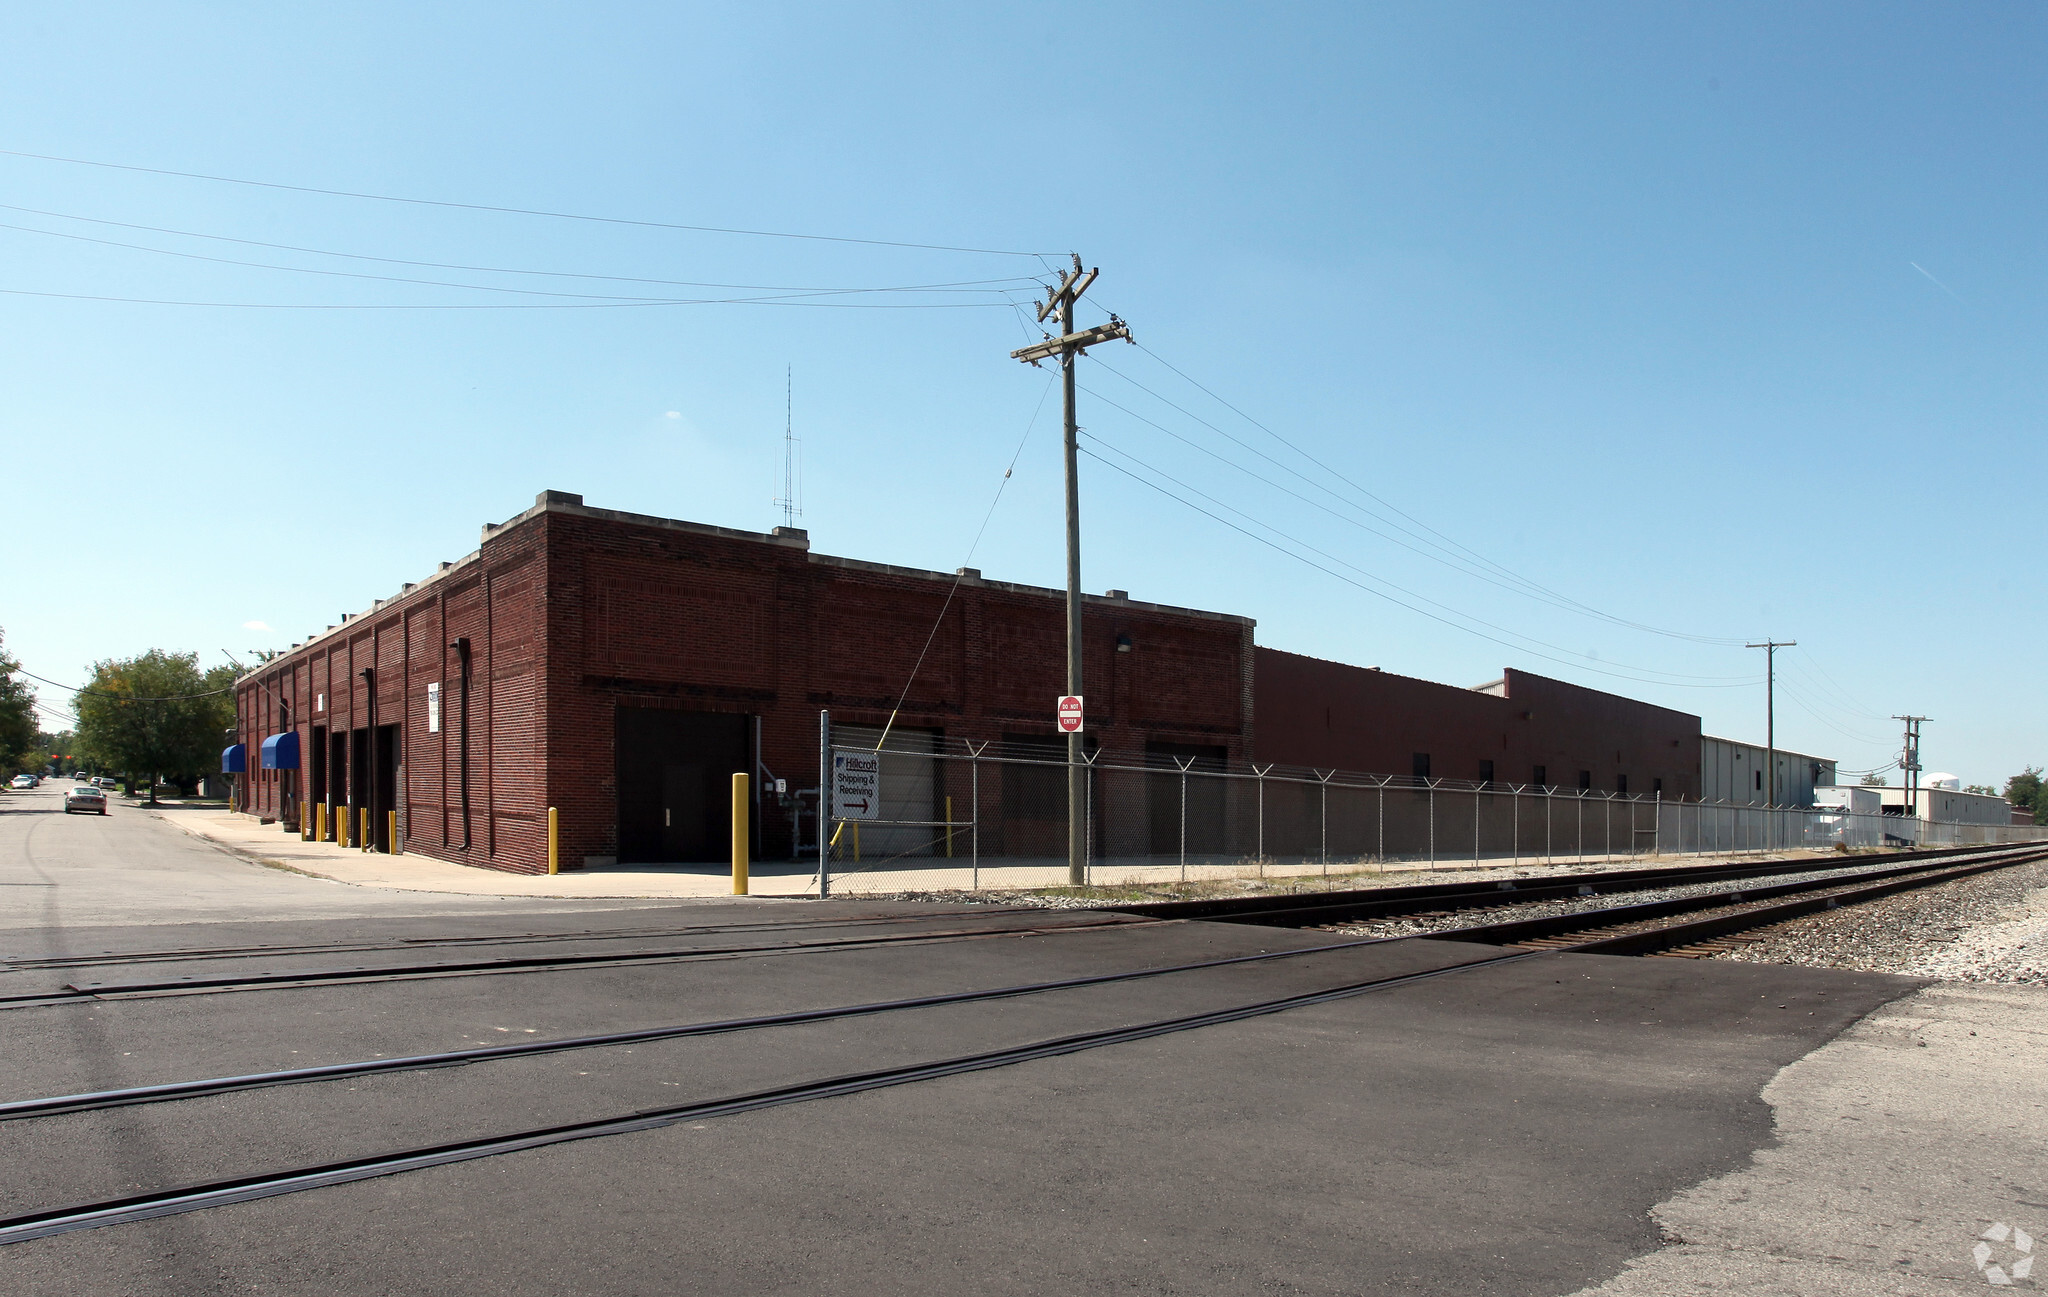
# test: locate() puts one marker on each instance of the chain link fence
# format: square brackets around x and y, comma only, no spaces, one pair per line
[939,814]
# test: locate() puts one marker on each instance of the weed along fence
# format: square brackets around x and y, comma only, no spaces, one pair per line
[917,811]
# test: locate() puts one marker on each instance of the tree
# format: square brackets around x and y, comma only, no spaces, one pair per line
[155,715]
[60,750]
[2025,792]
[1984,789]
[1874,780]
[17,713]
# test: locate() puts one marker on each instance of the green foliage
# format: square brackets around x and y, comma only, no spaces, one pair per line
[2024,791]
[1874,780]
[59,750]
[17,715]
[1986,789]
[155,716]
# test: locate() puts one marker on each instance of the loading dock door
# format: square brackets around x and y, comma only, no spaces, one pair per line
[912,792]
[674,778]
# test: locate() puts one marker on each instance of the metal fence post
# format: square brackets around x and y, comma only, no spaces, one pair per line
[1183,815]
[1088,855]
[824,798]
[1430,814]
[974,811]
[1548,859]
[1381,823]
[1324,815]
[1579,804]
[1262,815]
[1516,838]
[1475,826]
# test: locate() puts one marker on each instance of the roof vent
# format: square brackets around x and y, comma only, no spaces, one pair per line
[546,498]
[1116,594]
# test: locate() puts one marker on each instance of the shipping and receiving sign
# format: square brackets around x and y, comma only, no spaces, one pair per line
[856,785]
[1070,714]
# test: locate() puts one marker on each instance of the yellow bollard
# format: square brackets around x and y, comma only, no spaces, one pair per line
[554,841]
[856,842]
[363,828]
[739,835]
[391,831]
[320,821]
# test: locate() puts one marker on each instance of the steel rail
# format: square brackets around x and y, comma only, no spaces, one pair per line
[24,1108]
[1815,894]
[1492,933]
[1325,907]
[25,963]
[89,991]
[220,1193]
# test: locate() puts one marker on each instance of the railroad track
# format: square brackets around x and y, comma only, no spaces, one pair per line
[89,990]
[1678,925]
[1697,925]
[1322,909]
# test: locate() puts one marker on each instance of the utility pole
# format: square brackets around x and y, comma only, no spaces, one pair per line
[1770,648]
[1068,347]
[1909,761]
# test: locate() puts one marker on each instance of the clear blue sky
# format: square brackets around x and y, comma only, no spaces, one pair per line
[1724,319]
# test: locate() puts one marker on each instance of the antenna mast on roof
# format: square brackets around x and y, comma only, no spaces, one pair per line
[791,508]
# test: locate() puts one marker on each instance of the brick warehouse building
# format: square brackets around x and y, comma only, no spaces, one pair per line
[1522,729]
[620,667]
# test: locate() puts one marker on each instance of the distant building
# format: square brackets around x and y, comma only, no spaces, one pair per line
[1948,806]
[1733,771]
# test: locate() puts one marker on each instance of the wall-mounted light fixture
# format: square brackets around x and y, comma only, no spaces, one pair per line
[1123,642]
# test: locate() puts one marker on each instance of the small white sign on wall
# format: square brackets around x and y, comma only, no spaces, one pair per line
[434,708]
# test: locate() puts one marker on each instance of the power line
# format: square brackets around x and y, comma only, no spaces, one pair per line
[1412,594]
[1448,543]
[106,693]
[1445,559]
[961,575]
[509,306]
[514,211]
[437,283]
[1019,280]
[1519,648]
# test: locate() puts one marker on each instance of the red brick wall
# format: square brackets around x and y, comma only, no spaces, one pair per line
[647,616]
[1330,715]
[572,612]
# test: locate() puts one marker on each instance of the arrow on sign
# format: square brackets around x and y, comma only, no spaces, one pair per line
[853,805]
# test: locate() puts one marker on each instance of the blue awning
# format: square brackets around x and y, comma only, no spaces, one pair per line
[281,751]
[234,760]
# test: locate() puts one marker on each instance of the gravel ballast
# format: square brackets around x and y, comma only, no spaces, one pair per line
[1990,928]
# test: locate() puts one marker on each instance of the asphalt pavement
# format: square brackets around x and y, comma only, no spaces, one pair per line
[1504,1129]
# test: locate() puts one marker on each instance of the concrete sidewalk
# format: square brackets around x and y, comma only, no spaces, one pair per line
[275,845]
